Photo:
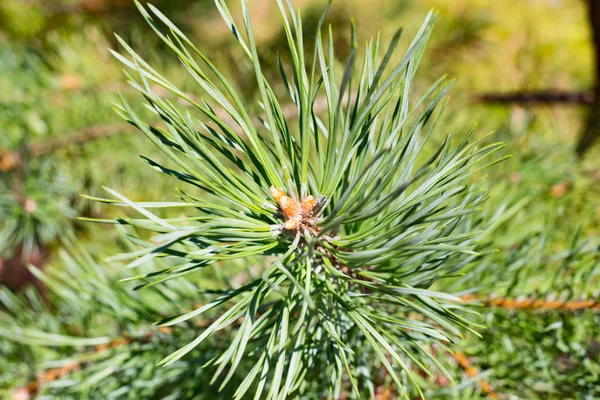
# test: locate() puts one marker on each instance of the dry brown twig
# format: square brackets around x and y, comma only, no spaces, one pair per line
[535,304]
[548,97]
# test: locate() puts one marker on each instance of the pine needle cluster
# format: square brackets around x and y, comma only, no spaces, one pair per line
[348,222]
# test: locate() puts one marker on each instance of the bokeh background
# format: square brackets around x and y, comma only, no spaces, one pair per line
[523,68]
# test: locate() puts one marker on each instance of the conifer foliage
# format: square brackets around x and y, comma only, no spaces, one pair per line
[351,224]
[341,219]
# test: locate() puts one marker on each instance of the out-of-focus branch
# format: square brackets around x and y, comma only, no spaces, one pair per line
[32,388]
[11,159]
[472,372]
[536,304]
[516,304]
[548,97]
[53,374]
[591,132]
[78,138]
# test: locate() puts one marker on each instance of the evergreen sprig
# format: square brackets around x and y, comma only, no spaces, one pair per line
[96,340]
[348,219]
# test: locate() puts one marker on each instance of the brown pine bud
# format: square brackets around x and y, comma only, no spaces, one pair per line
[276,193]
[308,204]
[291,224]
[290,207]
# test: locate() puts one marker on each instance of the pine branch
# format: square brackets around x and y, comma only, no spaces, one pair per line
[351,215]
[53,374]
[309,196]
[382,391]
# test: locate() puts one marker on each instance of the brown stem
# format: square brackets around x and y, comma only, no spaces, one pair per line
[534,304]
[472,372]
[591,132]
[12,159]
[538,98]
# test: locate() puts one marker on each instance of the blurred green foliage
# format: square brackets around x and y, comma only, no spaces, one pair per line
[58,78]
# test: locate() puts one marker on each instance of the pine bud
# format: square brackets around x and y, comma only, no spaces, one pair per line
[308,205]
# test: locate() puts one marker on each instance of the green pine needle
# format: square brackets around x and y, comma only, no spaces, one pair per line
[352,218]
